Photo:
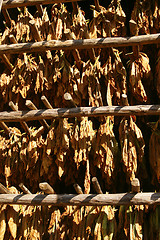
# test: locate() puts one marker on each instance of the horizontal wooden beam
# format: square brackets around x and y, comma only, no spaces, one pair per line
[22,3]
[139,110]
[79,44]
[82,199]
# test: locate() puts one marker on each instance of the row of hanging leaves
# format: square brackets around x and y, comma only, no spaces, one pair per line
[93,78]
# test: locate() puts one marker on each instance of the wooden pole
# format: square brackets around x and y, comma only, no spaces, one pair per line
[22,3]
[80,44]
[7,62]
[3,189]
[7,17]
[118,199]
[30,105]
[69,100]
[5,128]
[139,110]
[135,184]
[96,185]
[23,124]
[46,102]
[24,188]
[77,188]
[45,187]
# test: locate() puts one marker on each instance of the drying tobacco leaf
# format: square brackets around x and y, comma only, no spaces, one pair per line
[57,144]
[132,146]
[90,220]
[105,226]
[3,152]
[155,27]
[106,149]
[11,163]
[66,79]
[133,225]
[4,87]
[79,23]
[60,20]
[61,145]
[109,224]
[54,223]
[81,139]
[158,74]
[2,221]
[116,17]
[146,15]
[89,85]
[115,78]
[154,152]
[140,77]
[94,88]
[12,212]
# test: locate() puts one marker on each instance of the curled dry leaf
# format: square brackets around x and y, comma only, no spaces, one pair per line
[158,75]
[106,150]
[140,77]
[154,153]
[146,15]
[2,221]
[60,20]
[81,140]
[115,78]
[114,14]
[12,212]
[133,224]
[132,146]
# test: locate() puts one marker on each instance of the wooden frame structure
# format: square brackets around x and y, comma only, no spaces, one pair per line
[99,199]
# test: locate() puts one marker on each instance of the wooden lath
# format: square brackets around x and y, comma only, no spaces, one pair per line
[82,199]
[24,3]
[139,110]
[79,44]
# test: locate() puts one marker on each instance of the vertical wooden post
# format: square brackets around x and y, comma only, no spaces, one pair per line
[135,185]
[96,185]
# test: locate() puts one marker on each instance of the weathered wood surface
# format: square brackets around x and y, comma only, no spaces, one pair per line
[46,188]
[21,3]
[139,110]
[82,199]
[31,106]
[1,1]
[80,44]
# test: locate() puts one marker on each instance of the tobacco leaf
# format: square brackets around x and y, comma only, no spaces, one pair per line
[132,146]
[154,153]
[115,78]
[140,77]
[106,150]
[114,14]
[2,221]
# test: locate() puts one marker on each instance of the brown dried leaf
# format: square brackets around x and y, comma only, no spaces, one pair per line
[106,150]
[2,221]
[131,150]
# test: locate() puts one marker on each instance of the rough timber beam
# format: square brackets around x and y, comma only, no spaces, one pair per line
[139,110]
[23,3]
[80,44]
[82,199]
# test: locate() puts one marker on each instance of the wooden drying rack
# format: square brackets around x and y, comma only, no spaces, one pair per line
[79,199]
